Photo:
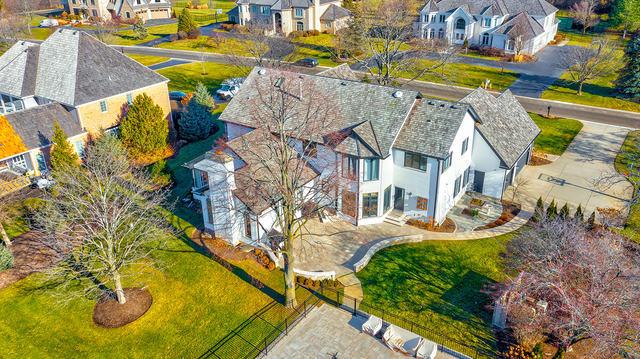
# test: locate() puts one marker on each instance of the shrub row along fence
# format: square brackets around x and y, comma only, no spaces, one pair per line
[357,307]
[257,336]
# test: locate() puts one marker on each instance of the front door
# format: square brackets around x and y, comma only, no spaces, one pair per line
[398,199]
[478,181]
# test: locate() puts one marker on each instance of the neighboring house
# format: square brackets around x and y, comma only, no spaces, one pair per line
[407,154]
[515,26]
[286,16]
[73,78]
[125,9]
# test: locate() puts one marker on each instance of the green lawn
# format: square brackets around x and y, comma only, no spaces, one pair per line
[148,60]
[185,77]
[628,154]
[320,47]
[39,33]
[126,37]
[439,285]
[229,46]
[225,5]
[556,134]
[470,76]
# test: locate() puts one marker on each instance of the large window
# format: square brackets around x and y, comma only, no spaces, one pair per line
[460,24]
[350,167]
[456,188]
[10,104]
[465,177]
[299,26]
[446,163]
[442,18]
[299,12]
[371,169]
[387,199]
[253,8]
[465,146]
[415,160]
[264,10]
[487,22]
[370,204]
[485,39]
[247,225]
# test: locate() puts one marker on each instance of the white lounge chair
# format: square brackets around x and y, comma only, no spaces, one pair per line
[401,340]
[427,350]
[372,326]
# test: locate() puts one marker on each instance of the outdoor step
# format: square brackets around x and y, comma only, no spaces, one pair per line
[394,220]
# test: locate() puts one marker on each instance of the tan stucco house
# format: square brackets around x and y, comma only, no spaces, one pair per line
[71,78]
[286,16]
[124,9]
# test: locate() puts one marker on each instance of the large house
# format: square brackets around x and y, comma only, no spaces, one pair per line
[71,78]
[515,26]
[125,9]
[286,16]
[405,153]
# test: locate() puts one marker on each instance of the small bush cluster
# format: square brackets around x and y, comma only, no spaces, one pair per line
[159,174]
[231,27]
[316,284]
[552,212]
[487,51]
[263,258]
[518,352]
[558,39]
[182,35]
[6,258]
[307,33]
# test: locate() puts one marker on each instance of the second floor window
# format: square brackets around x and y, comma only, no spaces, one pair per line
[371,169]
[465,146]
[299,12]
[350,167]
[264,10]
[442,18]
[103,106]
[446,163]
[415,160]
[487,22]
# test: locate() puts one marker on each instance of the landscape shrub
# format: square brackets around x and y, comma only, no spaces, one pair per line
[6,258]
[193,33]
[491,51]
[173,37]
[271,266]
[181,35]
[159,174]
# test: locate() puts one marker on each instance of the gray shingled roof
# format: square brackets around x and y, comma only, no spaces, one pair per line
[35,125]
[505,124]
[335,12]
[74,68]
[343,72]
[18,69]
[432,127]
[521,24]
[498,7]
[353,103]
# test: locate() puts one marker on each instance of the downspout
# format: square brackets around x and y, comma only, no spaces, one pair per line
[435,200]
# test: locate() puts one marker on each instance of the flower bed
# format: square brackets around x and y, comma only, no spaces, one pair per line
[509,211]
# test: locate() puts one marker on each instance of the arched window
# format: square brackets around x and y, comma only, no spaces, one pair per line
[441,34]
[299,26]
[485,39]
[460,24]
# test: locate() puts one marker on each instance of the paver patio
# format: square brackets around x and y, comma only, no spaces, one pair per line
[573,177]
[329,332]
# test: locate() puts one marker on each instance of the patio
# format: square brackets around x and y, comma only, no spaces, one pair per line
[474,210]
[329,332]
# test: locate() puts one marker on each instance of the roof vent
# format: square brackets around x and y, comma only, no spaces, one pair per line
[431,103]
[397,94]
[262,71]
[441,105]
[454,107]
[343,83]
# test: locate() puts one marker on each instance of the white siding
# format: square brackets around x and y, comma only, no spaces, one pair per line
[416,184]
[486,160]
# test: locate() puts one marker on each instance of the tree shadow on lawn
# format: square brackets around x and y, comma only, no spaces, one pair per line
[587,88]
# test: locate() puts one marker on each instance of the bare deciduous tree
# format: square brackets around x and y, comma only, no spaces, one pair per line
[288,171]
[99,220]
[591,62]
[575,284]
[390,49]
[584,13]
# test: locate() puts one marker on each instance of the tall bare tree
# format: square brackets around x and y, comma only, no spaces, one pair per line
[575,284]
[584,13]
[287,168]
[390,49]
[591,62]
[99,220]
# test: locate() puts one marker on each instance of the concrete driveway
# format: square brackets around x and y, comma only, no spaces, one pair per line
[573,177]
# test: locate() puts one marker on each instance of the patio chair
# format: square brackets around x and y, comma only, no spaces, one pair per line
[427,349]
[372,326]
[401,340]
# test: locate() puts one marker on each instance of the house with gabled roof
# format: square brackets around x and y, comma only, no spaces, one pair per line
[70,78]
[124,9]
[286,16]
[514,26]
[407,155]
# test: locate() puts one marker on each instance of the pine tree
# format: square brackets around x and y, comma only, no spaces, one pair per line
[139,29]
[552,210]
[564,211]
[185,22]
[579,216]
[539,211]
[62,156]
[144,129]
[591,222]
[197,122]
[628,82]
[627,14]
[203,97]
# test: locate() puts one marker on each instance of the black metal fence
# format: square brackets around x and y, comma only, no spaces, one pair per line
[357,307]
[257,336]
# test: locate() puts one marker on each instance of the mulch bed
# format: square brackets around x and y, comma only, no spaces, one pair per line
[109,313]
[509,211]
[29,256]
[539,160]
[448,226]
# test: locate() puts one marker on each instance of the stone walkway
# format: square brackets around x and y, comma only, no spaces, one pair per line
[328,332]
